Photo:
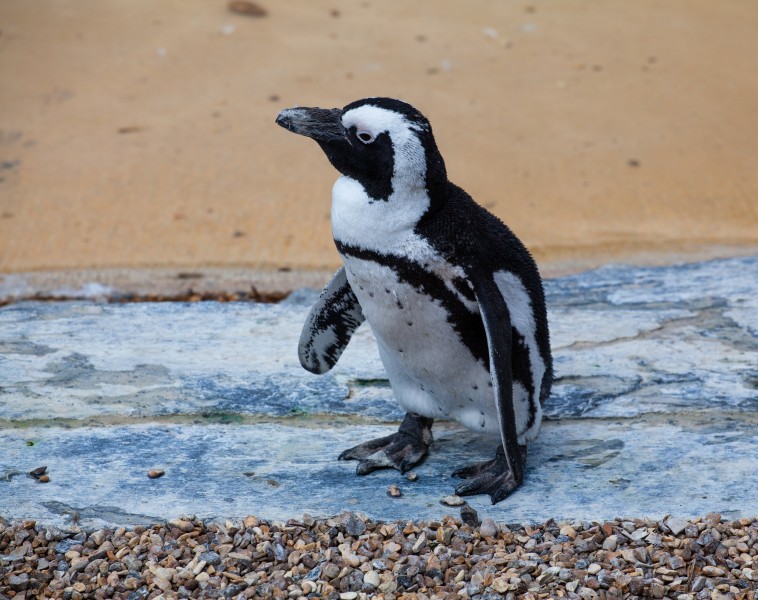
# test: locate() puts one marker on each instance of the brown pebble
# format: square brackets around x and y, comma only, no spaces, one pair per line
[394,491]
[130,129]
[155,473]
[38,472]
[43,479]
[245,7]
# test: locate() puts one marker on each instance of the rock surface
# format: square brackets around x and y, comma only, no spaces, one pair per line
[656,395]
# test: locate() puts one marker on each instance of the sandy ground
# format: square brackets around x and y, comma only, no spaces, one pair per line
[141,133]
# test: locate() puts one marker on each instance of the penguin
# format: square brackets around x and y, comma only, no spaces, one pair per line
[454,299]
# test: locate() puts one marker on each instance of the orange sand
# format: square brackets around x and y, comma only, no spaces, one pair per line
[141,133]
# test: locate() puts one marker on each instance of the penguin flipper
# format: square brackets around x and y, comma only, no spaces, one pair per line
[499,477]
[330,324]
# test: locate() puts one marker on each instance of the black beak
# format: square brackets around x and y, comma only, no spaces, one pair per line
[320,124]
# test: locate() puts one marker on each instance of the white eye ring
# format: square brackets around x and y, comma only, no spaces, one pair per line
[365,137]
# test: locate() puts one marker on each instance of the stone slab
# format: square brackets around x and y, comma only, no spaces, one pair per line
[585,469]
[656,392]
[627,341]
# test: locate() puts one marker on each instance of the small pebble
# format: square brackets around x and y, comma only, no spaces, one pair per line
[182,524]
[469,516]
[420,542]
[38,472]
[488,528]
[676,525]
[211,558]
[155,473]
[568,531]
[247,8]
[372,578]
[411,476]
[453,501]
[354,526]
[394,491]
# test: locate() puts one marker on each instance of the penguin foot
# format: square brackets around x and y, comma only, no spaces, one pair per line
[402,450]
[492,477]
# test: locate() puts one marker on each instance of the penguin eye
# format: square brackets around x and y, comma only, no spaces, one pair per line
[365,137]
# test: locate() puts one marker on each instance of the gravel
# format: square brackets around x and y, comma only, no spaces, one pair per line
[350,557]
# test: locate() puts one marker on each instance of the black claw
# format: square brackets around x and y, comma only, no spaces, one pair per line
[465,489]
[402,450]
[365,467]
[492,477]
[499,495]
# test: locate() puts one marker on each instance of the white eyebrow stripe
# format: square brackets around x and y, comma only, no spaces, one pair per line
[376,120]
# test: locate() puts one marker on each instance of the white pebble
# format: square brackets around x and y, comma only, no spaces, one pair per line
[453,501]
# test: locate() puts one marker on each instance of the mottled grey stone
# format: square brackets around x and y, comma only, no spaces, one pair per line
[654,410]
[627,341]
[586,469]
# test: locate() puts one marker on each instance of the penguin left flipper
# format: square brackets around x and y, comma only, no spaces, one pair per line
[330,324]
[498,477]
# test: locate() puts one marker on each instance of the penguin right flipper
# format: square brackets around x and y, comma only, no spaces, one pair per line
[330,324]
[498,477]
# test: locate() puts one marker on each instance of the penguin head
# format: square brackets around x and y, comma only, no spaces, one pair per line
[384,144]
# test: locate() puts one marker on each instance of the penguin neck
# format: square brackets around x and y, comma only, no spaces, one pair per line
[382,225]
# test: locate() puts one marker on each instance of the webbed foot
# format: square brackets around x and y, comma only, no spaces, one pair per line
[402,450]
[492,477]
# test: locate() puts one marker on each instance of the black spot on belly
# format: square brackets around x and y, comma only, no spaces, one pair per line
[387,290]
[371,294]
[399,304]
[467,324]
[410,323]
[476,387]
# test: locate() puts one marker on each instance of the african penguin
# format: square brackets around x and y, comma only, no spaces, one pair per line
[454,299]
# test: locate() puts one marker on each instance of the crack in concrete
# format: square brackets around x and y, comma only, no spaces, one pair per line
[24,347]
[317,421]
[110,514]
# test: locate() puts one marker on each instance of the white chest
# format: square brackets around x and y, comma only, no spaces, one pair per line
[381,225]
